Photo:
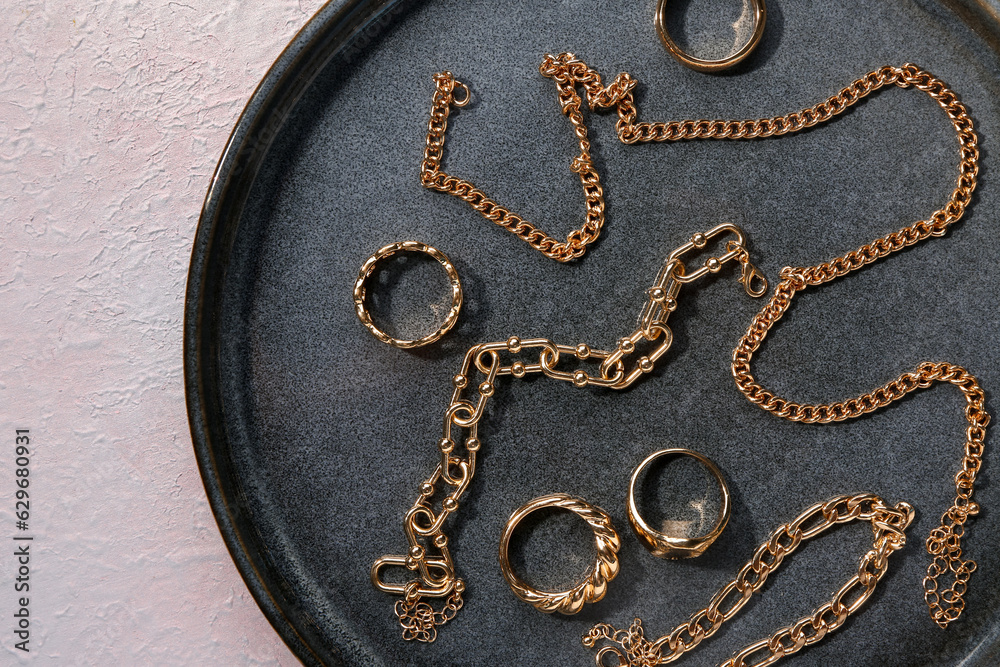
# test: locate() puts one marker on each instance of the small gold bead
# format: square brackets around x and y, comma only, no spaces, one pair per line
[713,264]
[486,389]
[411,564]
[514,344]
[626,346]
[580,378]
[517,369]
[657,294]
[582,351]
[459,585]
[699,240]
[645,365]
[426,489]
[417,553]
[473,444]
[449,504]
[670,304]
[460,381]
[446,445]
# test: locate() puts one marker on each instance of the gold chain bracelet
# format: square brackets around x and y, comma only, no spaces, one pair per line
[888,525]
[569,73]
[433,178]
[429,555]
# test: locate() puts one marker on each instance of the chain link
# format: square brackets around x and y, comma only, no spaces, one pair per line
[888,526]
[418,619]
[439,495]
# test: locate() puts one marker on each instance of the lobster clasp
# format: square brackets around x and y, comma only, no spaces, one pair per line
[753,280]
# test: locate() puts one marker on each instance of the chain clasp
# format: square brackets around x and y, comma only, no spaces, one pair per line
[751,275]
[663,293]
[752,279]
[440,589]
[662,298]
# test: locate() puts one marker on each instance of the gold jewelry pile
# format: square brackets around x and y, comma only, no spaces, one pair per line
[429,555]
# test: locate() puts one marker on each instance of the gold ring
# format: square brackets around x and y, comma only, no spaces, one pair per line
[388,251]
[595,585]
[759,18]
[668,546]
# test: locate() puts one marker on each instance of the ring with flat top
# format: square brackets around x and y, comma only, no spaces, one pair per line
[595,585]
[759,18]
[662,545]
[368,268]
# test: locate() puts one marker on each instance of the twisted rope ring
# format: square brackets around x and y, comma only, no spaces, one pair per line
[594,585]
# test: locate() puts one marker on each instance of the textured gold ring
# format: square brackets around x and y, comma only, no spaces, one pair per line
[759,18]
[595,585]
[368,268]
[662,545]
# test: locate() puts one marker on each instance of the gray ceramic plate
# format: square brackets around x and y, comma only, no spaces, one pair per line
[312,436]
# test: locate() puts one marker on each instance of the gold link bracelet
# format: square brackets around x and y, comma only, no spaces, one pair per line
[437,577]
[568,72]
[888,525]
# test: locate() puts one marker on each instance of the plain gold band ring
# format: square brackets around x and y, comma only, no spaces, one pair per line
[368,268]
[759,18]
[669,546]
[595,585]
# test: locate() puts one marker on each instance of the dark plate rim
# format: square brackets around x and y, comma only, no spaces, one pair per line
[323,37]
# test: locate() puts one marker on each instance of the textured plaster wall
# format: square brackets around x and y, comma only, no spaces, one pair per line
[112,117]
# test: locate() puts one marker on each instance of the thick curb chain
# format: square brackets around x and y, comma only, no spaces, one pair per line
[433,178]
[944,543]
[888,525]
[569,73]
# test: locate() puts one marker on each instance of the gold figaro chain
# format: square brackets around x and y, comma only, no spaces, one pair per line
[888,525]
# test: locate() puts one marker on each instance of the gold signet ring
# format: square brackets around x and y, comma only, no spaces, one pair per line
[595,585]
[368,268]
[676,546]
[759,18]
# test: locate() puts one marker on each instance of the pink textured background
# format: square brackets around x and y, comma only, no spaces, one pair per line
[112,117]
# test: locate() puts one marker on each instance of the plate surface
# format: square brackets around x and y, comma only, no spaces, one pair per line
[312,436]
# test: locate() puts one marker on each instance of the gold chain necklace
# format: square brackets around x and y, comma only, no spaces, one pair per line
[429,555]
[569,72]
